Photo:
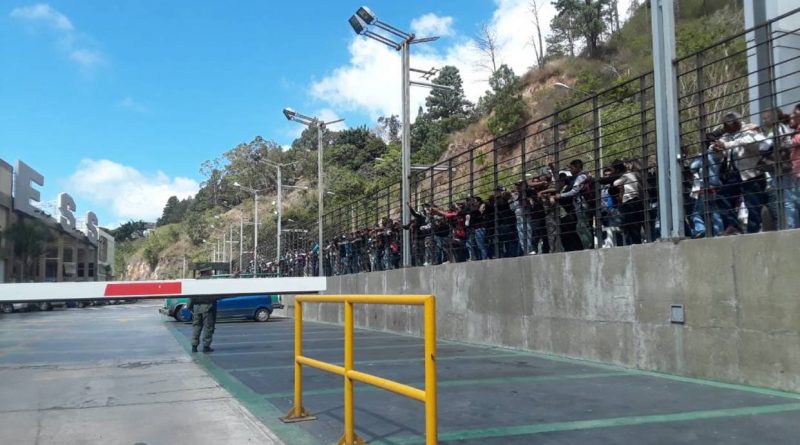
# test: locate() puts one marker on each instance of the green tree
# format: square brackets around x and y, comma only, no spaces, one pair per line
[586,18]
[174,211]
[505,101]
[445,104]
[30,241]
[561,41]
[389,128]
[129,231]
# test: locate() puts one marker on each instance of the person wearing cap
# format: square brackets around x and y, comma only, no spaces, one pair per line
[740,144]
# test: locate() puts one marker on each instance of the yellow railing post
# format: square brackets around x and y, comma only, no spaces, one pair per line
[298,413]
[431,433]
[350,375]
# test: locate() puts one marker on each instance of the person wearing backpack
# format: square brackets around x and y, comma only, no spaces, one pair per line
[741,144]
[632,208]
[582,194]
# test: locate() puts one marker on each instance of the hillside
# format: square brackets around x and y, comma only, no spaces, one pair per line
[364,161]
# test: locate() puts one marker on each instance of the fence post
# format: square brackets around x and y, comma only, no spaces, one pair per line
[450,181]
[431,433]
[298,413]
[349,411]
[598,164]
[472,171]
[496,233]
[777,183]
[556,159]
[701,111]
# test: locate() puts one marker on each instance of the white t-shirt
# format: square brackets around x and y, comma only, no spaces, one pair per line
[631,185]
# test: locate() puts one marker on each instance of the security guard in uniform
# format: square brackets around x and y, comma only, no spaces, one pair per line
[204,316]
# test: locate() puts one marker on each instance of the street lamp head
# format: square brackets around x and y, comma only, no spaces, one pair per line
[289,113]
[366,15]
[236,184]
[562,85]
[357,25]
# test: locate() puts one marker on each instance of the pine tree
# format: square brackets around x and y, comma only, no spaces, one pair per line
[445,104]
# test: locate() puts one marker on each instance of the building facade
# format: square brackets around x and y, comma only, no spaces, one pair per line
[68,253]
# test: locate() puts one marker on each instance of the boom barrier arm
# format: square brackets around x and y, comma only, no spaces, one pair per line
[427,396]
[135,290]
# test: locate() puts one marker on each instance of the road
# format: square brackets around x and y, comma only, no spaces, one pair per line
[111,375]
[123,375]
[488,396]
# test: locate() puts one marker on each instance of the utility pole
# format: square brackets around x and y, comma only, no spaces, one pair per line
[280,214]
[255,236]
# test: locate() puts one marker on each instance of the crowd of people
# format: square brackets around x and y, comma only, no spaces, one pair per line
[743,169]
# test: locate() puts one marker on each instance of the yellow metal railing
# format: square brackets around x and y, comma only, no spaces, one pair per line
[428,396]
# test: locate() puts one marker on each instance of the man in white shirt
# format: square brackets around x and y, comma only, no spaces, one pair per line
[741,144]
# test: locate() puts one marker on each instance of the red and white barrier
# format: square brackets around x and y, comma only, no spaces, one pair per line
[98,290]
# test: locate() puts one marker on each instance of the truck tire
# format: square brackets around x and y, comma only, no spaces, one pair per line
[262,314]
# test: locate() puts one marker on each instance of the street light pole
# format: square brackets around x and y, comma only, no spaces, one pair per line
[361,22]
[599,120]
[309,121]
[320,196]
[255,235]
[280,214]
[406,151]
[241,239]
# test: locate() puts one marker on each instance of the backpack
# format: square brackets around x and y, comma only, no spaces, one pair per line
[587,191]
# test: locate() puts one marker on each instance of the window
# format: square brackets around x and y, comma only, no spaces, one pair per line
[102,246]
[91,270]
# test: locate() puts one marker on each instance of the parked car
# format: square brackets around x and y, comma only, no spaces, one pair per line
[8,308]
[254,307]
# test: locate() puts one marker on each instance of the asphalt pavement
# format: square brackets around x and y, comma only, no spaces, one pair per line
[487,395]
[111,375]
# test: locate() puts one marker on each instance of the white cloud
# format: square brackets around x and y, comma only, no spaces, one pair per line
[328,115]
[126,192]
[130,104]
[67,36]
[370,81]
[44,13]
[431,24]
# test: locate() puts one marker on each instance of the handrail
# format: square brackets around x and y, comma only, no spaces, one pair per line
[298,413]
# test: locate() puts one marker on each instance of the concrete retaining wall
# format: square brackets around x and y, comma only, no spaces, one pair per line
[741,294]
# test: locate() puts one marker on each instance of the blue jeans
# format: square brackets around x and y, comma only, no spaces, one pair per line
[441,249]
[754,199]
[472,247]
[525,234]
[790,186]
[480,240]
[699,214]
[791,200]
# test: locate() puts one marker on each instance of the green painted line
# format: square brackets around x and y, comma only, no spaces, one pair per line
[460,382]
[305,340]
[267,413]
[386,361]
[520,430]
[659,375]
[280,351]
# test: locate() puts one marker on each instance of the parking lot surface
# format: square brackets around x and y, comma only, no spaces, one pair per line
[487,395]
[110,375]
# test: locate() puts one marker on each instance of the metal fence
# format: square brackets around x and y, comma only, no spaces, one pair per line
[585,176]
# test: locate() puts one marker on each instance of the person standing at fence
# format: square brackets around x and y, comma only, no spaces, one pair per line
[792,189]
[581,194]
[632,208]
[741,144]
[204,318]
[775,163]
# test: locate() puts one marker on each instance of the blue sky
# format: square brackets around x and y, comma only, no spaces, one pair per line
[118,102]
